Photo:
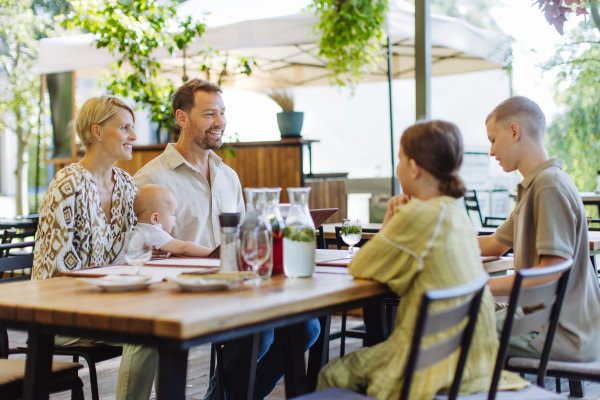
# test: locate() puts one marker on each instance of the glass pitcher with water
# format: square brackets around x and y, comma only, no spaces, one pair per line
[299,239]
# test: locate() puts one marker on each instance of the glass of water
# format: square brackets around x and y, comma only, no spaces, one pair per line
[138,250]
[351,233]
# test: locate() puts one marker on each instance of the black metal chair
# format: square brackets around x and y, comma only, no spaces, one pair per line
[12,374]
[15,262]
[429,323]
[360,331]
[574,371]
[321,242]
[542,304]
[92,352]
[472,204]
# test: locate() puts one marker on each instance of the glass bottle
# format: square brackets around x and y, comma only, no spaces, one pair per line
[277,227]
[299,241]
[229,241]
[256,219]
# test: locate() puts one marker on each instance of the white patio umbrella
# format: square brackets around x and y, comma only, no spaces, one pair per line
[285,51]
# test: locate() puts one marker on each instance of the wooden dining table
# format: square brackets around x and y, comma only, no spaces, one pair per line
[173,321]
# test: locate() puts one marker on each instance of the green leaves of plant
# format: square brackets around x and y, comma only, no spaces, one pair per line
[299,235]
[352,32]
[349,230]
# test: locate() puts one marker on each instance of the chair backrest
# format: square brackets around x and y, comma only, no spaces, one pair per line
[594,225]
[321,243]
[15,262]
[544,300]
[429,323]
[340,243]
[472,204]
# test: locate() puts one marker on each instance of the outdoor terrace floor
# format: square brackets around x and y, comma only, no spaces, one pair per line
[198,366]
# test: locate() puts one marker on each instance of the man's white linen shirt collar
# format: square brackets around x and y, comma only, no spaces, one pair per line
[199,203]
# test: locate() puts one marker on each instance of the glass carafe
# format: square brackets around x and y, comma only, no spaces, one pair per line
[299,242]
[277,227]
[256,221]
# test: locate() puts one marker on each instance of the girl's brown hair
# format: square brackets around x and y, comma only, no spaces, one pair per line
[436,146]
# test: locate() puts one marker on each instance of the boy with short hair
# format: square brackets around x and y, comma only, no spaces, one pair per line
[547,227]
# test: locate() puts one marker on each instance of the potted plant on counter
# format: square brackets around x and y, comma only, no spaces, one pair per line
[289,121]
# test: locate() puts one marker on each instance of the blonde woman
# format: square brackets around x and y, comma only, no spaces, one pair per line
[85,215]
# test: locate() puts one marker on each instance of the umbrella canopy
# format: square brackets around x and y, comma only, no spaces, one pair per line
[286,53]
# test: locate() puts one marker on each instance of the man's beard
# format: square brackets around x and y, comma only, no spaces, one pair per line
[204,140]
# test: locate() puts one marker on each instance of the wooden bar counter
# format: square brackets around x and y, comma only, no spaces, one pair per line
[267,164]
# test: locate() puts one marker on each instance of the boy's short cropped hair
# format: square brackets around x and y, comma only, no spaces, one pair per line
[183,98]
[522,110]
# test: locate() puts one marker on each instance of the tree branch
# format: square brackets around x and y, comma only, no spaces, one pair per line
[595,15]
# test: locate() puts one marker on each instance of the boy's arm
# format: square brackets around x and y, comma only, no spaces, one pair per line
[502,285]
[491,247]
[181,248]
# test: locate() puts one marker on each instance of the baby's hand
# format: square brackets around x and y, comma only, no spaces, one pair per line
[156,253]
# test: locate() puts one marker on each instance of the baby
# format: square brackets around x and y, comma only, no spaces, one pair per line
[155,209]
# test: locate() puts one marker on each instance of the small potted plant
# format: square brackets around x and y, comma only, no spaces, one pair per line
[289,121]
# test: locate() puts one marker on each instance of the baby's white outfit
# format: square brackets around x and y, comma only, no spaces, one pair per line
[155,234]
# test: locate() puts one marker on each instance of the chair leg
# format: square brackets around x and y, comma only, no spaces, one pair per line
[77,391]
[221,367]
[576,388]
[93,376]
[558,388]
[213,359]
[343,334]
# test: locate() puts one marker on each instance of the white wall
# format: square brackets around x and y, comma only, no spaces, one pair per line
[354,131]
[8,162]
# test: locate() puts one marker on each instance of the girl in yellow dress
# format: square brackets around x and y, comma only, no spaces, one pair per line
[426,242]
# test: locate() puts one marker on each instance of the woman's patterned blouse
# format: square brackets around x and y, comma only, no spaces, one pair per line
[73,231]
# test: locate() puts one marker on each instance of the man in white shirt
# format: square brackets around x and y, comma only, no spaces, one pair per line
[206,187]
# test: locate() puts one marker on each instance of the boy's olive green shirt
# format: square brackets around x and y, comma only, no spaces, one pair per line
[550,220]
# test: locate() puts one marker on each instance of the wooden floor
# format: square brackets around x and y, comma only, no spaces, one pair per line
[198,366]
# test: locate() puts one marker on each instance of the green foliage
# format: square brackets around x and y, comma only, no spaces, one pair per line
[19,93]
[349,230]
[134,29]
[299,235]
[574,134]
[352,32]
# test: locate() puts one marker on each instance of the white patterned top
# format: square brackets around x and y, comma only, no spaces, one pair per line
[73,232]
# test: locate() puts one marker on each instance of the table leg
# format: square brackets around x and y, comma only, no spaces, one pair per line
[38,367]
[293,361]
[245,370]
[375,322]
[172,374]
[317,355]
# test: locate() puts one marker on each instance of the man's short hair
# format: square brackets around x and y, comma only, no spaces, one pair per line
[183,98]
[522,110]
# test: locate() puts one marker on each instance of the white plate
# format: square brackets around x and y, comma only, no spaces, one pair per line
[120,283]
[201,285]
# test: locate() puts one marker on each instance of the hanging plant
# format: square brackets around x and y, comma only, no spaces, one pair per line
[352,32]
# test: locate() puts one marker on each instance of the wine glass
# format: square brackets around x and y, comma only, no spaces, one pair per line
[351,233]
[138,250]
[256,249]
